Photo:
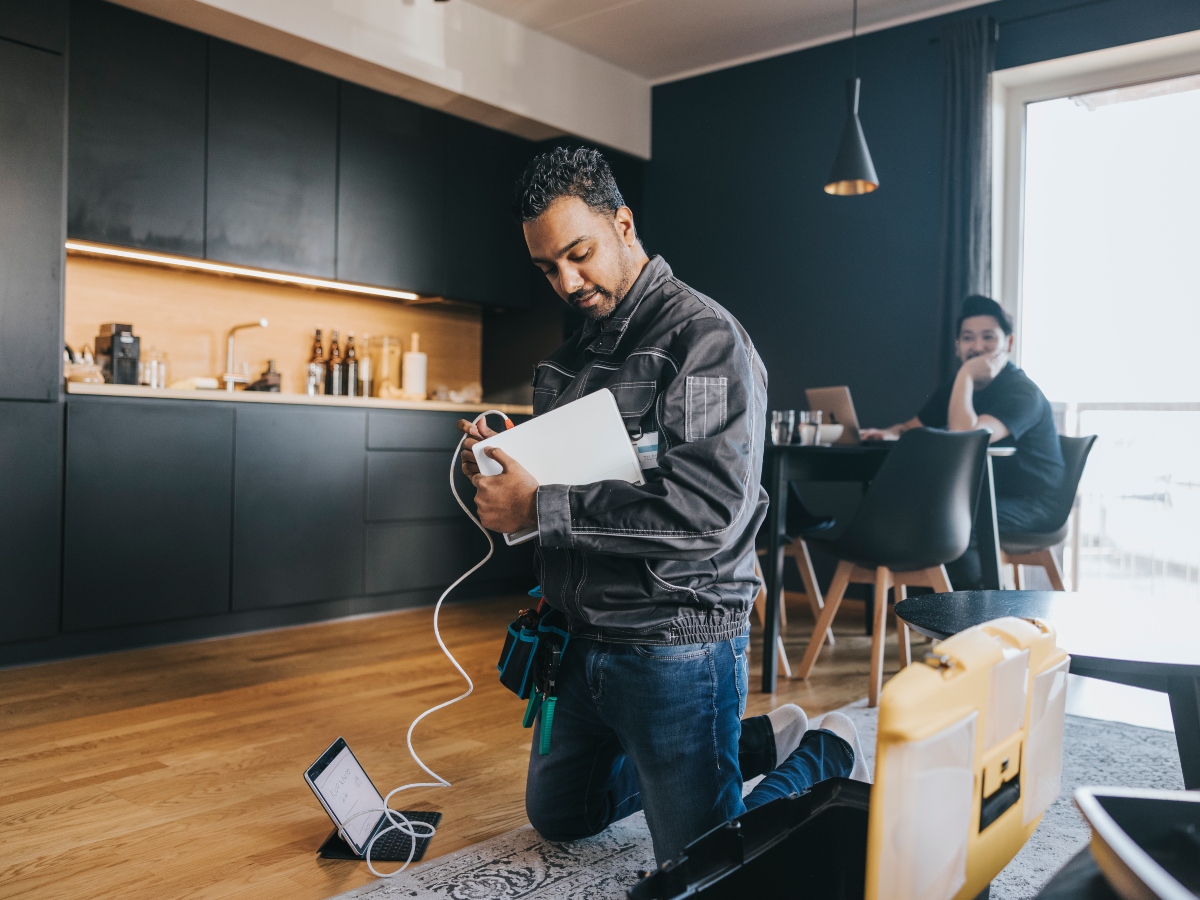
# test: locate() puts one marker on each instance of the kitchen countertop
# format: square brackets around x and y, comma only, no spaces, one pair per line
[131,390]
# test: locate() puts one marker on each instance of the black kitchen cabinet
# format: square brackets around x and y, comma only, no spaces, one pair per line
[136,143]
[391,195]
[487,261]
[410,429]
[411,484]
[272,162]
[31,436]
[298,508]
[147,511]
[38,23]
[32,122]
[405,556]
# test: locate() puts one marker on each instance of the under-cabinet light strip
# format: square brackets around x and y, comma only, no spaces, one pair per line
[203,265]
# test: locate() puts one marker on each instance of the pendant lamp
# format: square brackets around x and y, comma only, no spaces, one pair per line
[853,172]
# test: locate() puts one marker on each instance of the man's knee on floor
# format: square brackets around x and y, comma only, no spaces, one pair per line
[557,824]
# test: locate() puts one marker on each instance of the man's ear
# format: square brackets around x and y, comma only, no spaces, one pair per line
[623,221]
[1009,344]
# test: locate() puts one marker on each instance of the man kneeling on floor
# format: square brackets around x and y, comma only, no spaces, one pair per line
[656,580]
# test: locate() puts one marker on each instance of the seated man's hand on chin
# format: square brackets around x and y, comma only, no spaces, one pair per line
[983,369]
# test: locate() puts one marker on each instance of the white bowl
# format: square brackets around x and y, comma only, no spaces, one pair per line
[830,434]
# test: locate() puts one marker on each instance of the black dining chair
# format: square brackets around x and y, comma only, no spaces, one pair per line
[915,517]
[1033,548]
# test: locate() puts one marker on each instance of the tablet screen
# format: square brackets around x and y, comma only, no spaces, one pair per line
[350,796]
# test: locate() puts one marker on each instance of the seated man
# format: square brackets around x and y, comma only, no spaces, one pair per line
[989,392]
[656,580]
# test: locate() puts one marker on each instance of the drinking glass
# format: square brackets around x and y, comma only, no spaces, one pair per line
[783,425]
[810,424]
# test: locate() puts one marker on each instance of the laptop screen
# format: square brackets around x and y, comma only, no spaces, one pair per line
[350,796]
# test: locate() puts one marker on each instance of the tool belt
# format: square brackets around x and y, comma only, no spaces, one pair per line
[530,663]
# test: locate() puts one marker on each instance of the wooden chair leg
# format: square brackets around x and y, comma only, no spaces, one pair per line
[883,581]
[1017,580]
[811,588]
[781,652]
[837,591]
[905,638]
[760,609]
[760,602]
[938,579]
[1047,561]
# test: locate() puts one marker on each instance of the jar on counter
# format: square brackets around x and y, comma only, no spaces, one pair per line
[155,369]
[384,356]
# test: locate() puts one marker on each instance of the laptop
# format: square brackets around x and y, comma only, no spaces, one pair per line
[838,409]
[581,442]
[354,804]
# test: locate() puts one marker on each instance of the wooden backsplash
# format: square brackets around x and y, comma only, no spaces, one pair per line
[188,315]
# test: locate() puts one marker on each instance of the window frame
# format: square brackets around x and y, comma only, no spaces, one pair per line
[1012,90]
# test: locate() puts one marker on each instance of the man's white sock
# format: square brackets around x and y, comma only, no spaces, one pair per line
[788,722]
[840,724]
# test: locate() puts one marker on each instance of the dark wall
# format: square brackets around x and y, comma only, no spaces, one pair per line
[838,290]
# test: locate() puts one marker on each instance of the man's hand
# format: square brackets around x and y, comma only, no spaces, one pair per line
[984,368]
[880,434]
[477,433]
[506,502]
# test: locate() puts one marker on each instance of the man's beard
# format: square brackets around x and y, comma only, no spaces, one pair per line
[609,300]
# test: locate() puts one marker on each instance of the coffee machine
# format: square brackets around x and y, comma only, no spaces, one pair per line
[118,351]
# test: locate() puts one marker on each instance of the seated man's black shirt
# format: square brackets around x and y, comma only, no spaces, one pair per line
[1036,469]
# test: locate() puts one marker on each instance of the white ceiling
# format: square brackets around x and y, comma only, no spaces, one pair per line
[662,40]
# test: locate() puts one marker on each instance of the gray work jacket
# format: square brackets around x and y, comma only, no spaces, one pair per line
[670,561]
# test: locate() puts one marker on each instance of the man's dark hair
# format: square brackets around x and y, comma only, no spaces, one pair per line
[567,172]
[979,305]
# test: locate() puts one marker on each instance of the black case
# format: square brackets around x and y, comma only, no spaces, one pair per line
[335,848]
[808,845]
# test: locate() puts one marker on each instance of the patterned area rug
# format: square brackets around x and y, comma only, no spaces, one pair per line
[521,865]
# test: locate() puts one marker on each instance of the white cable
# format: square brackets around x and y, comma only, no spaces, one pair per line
[397,820]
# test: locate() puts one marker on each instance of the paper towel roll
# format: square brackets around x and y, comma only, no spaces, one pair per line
[415,365]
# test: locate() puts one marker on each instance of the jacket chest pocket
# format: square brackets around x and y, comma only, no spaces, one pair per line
[550,381]
[634,399]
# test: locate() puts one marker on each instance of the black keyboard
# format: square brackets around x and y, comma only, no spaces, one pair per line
[393,846]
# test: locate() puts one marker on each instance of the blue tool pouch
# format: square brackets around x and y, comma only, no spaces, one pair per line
[530,662]
[516,659]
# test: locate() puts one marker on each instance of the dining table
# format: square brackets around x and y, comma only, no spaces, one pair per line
[784,463]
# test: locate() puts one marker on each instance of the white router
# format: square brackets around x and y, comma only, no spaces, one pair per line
[583,442]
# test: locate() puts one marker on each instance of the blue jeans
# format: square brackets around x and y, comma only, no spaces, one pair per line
[659,728]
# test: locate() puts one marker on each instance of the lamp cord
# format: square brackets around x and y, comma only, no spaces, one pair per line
[854,42]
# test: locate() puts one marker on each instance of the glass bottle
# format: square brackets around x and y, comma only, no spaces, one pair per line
[315,378]
[335,369]
[366,384]
[350,376]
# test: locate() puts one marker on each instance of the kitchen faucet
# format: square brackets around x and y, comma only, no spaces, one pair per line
[231,377]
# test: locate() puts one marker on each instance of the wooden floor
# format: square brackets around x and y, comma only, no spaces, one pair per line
[176,771]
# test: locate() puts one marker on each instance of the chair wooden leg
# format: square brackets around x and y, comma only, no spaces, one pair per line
[883,579]
[760,609]
[905,639]
[938,579]
[837,591]
[809,576]
[1053,572]
[781,652]
[1017,580]
[760,602]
